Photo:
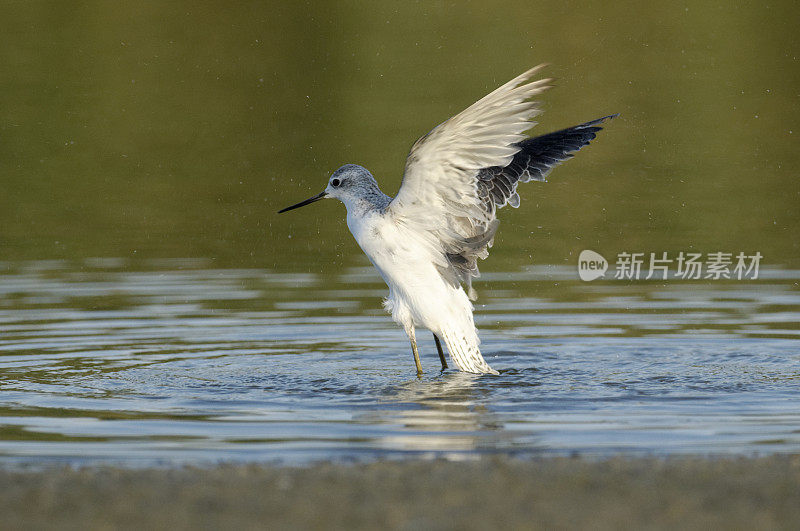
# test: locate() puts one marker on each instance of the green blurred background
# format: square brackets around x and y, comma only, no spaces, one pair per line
[177,129]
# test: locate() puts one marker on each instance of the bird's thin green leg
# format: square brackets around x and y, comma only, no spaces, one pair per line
[414,349]
[441,354]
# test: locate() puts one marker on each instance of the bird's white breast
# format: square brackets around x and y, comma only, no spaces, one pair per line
[408,263]
[382,241]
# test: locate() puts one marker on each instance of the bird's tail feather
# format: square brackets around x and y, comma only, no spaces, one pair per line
[465,353]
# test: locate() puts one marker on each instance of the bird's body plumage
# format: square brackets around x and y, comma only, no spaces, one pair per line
[420,296]
[425,242]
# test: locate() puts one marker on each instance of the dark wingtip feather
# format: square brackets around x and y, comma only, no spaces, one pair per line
[536,157]
[595,122]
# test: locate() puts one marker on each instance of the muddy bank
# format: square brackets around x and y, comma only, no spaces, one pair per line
[698,493]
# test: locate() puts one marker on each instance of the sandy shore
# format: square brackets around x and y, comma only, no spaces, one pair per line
[692,493]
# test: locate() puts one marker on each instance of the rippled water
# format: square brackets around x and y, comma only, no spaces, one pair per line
[185,363]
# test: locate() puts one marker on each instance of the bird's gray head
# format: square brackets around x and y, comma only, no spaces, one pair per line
[354,186]
[351,181]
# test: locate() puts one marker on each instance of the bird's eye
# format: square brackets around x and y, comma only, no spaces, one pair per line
[335,182]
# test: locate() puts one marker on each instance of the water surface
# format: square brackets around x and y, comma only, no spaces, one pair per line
[182,363]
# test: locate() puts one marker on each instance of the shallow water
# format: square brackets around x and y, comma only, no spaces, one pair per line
[182,363]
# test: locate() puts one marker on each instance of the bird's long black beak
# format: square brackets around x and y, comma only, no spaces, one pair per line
[304,203]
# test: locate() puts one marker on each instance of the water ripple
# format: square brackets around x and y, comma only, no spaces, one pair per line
[183,363]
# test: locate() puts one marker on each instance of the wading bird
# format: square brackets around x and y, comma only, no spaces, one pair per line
[425,242]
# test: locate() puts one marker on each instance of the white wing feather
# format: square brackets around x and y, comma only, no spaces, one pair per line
[439,196]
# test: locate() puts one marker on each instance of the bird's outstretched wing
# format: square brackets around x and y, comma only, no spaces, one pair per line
[497,186]
[458,174]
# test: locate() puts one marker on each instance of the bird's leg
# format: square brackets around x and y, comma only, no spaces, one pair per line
[412,337]
[441,354]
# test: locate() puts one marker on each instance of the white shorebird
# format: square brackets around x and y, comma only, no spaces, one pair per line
[426,241]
